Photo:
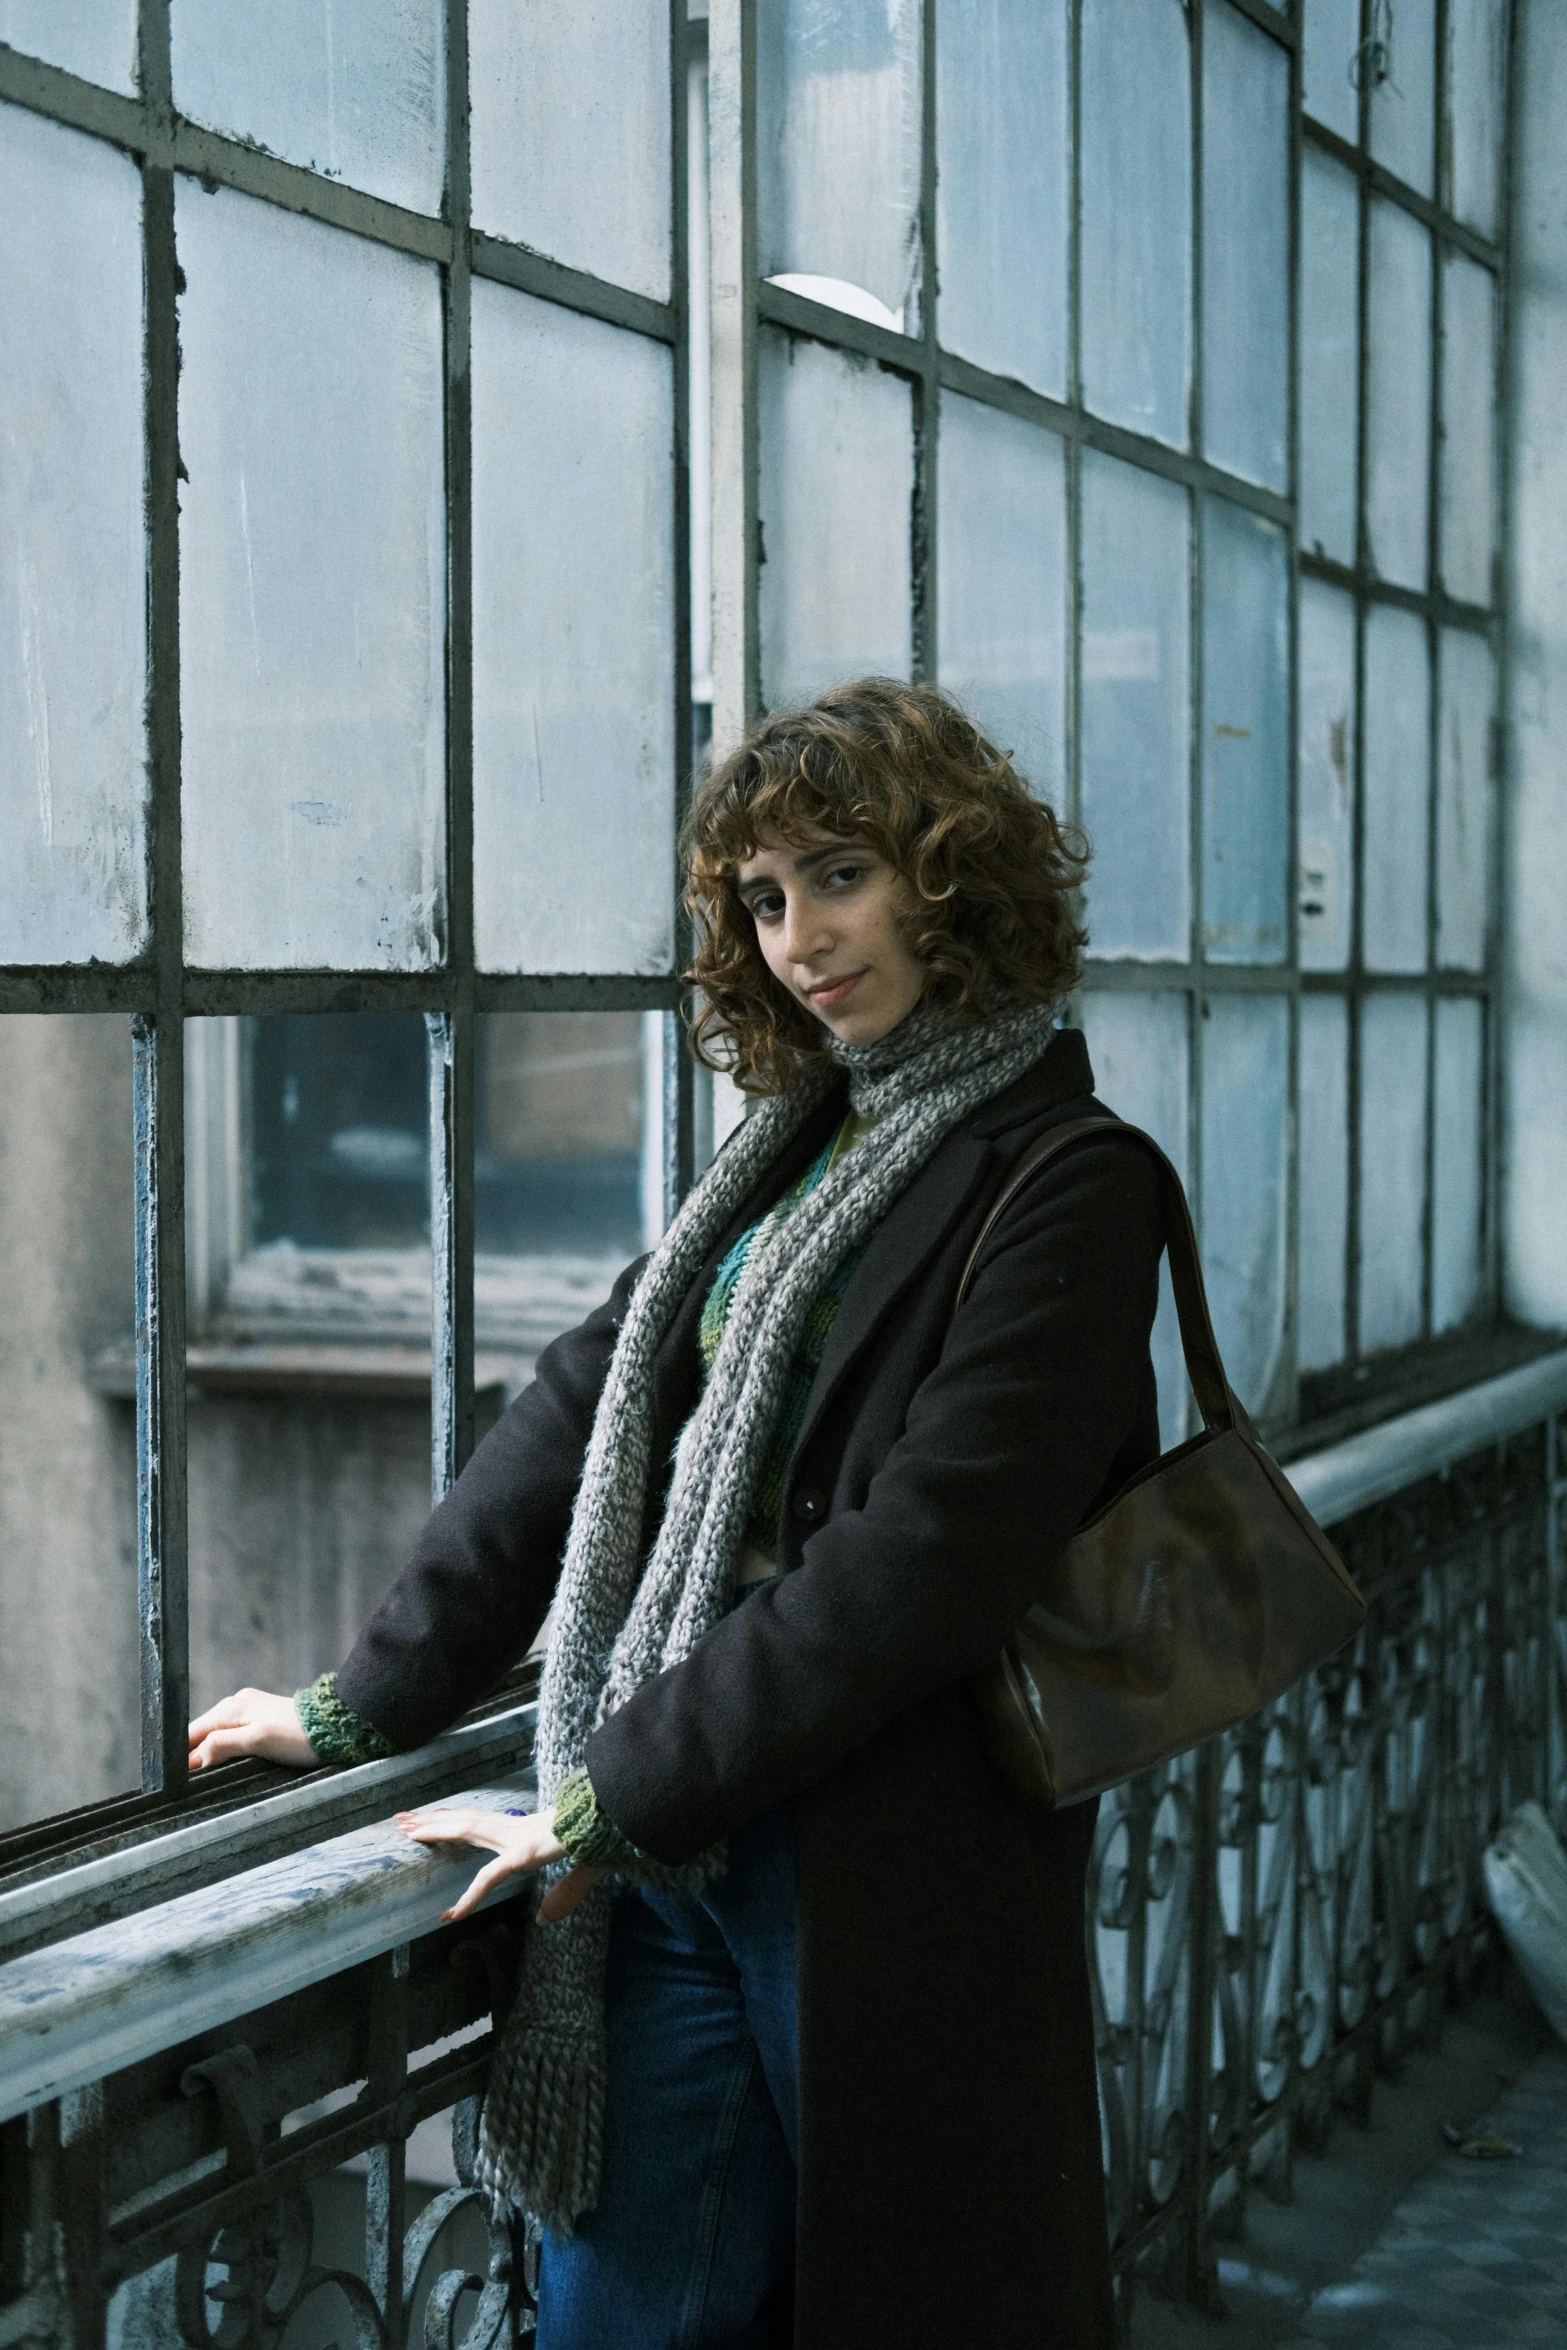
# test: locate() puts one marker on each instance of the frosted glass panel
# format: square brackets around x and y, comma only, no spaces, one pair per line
[1397,769]
[1468,474]
[1324,1178]
[1457,1182]
[1464,802]
[1326,798]
[312,627]
[1138,1045]
[1331,44]
[1245,736]
[1403,101]
[1136,748]
[72,615]
[838,145]
[1476,108]
[95,38]
[573,653]
[1001,623]
[1001,186]
[1245,1085]
[1392,1168]
[1329,355]
[569,126]
[1398,395]
[1246,246]
[837,484]
[1137,214]
[352,88]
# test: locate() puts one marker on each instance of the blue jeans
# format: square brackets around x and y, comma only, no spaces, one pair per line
[691,2246]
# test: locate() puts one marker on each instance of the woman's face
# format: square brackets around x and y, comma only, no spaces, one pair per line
[827,921]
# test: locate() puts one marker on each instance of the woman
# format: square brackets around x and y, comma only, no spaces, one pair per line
[822,2034]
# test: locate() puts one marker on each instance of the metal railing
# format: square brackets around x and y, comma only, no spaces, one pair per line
[198,2030]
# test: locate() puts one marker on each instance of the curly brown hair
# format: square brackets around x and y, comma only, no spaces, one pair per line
[991,874]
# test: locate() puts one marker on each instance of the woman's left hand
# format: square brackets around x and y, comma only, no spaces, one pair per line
[520,1844]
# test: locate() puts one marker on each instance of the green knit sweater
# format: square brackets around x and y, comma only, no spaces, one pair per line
[590,1838]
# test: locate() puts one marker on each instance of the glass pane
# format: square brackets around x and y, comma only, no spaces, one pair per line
[1245,757]
[1457,1175]
[351,88]
[312,628]
[1137,214]
[1245,1087]
[1324,1178]
[838,150]
[1326,788]
[1001,185]
[1476,109]
[1468,479]
[1398,395]
[836,492]
[569,122]
[1001,622]
[1392,1168]
[573,650]
[1136,750]
[95,38]
[1138,1044]
[1403,91]
[1246,246]
[1331,45]
[1465,796]
[68,1629]
[72,561]
[1329,355]
[1397,781]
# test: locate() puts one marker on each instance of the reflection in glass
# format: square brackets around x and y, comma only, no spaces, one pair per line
[836,488]
[72,558]
[570,129]
[1465,800]
[1457,1181]
[1137,214]
[1326,708]
[1245,736]
[573,651]
[1476,107]
[1323,1127]
[1138,1045]
[1136,756]
[1330,45]
[1245,1079]
[1392,1168]
[1398,395]
[1403,94]
[95,38]
[350,88]
[838,145]
[1245,230]
[1002,584]
[1329,355]
[1468,468]
[312,628]
[1001,185]
[1397,771]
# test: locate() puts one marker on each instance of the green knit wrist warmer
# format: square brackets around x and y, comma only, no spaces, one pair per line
[591,1838]
[336,1733]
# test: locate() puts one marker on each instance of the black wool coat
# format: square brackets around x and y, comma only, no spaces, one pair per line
[951,2187]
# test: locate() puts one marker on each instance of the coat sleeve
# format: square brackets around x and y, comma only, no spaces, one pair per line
[1006,1447]
[478,1586]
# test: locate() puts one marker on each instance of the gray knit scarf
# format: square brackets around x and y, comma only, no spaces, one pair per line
[620,1619]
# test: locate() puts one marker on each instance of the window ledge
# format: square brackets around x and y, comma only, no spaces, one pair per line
[388,1371]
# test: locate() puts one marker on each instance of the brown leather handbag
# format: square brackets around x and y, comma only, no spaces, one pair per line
[1203,1590]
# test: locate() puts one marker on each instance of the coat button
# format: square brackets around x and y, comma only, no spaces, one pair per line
[809,1504]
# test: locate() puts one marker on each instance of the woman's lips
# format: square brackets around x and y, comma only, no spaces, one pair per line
[835,992]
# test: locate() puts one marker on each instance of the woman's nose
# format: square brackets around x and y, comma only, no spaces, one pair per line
[805,931]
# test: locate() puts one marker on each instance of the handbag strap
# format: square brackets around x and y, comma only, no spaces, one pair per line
[1204,1367]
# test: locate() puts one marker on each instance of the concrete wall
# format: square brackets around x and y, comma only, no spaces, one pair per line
[1534,1067]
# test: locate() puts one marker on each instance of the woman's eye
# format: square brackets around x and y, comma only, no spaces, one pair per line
[844,876]
[767,909]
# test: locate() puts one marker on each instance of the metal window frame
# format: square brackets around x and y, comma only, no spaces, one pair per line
[159,990]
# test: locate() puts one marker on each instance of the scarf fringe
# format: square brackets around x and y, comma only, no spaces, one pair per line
[541,2140]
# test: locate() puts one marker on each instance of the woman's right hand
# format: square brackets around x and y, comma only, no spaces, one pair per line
[251,1722]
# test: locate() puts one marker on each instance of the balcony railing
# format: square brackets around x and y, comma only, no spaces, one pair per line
[198,2028]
